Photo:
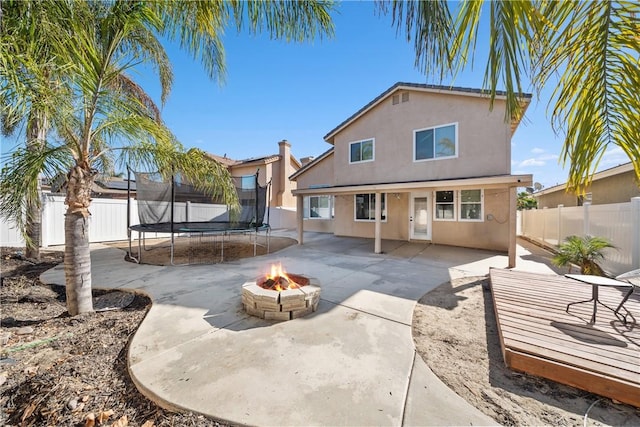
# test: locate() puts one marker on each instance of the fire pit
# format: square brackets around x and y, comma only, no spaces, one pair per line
[281,296]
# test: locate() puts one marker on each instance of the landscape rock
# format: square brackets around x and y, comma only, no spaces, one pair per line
[25,330]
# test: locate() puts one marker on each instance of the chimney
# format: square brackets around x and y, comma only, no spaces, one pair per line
[306,160]
[284,192]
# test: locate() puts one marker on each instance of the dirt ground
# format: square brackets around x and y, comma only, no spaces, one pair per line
[455,333]
[204,250]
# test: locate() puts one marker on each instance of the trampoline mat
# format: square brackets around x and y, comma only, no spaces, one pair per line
[196,227]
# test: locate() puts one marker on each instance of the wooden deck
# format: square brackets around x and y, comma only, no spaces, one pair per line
[539,337]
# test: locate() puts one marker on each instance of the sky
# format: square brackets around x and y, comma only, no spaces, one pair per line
[274,90]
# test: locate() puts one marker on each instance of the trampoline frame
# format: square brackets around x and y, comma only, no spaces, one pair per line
[201,228]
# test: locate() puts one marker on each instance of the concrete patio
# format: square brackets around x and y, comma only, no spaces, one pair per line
[352,362]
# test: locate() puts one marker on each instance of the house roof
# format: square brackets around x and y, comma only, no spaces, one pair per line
[312,163]
[223,159]
[526,97]
[616,170]
[493,181]
[230,163]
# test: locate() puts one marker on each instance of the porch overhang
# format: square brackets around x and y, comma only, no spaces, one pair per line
[499,181]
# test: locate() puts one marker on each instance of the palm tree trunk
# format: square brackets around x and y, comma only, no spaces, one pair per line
[77,260]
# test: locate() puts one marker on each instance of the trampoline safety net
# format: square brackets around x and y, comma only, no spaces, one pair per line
[182,207]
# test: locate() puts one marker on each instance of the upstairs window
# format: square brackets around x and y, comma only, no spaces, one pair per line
[248,182]
[365,207]
[361,151]
[435,143]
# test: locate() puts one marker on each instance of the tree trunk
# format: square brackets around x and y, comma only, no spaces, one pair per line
[77,260]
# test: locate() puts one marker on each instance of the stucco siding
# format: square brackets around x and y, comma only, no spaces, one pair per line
[319,225]
[317,175]
[489,234]
[483,140]
[395,228]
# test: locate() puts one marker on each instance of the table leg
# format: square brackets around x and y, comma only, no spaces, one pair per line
[594,295]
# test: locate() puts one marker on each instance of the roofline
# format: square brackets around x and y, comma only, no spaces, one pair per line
[259,161]
[612,171]
[464,91]
[311,164]
[486,182]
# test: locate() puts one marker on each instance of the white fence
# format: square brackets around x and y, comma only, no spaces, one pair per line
[108,221]
[619,223]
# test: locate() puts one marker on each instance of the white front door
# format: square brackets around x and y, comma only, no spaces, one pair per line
[419,217]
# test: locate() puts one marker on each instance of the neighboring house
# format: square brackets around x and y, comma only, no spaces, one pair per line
[614,185]
[419,162]
[275,168]
[107,187]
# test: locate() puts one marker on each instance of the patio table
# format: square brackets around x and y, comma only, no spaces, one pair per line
[596,282]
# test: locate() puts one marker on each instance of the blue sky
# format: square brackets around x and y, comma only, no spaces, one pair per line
[275,90]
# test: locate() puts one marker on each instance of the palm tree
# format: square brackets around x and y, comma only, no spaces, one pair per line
[105,116]
[585,252]
[28,93]
[589,51]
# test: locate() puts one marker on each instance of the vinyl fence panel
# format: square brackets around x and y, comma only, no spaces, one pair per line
[618,222]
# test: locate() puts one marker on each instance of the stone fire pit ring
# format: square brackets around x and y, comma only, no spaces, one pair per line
[286,304]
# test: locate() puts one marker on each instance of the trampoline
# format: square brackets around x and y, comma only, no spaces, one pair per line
[177,210]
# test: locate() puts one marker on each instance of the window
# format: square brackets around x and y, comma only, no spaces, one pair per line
[361,151]
[248,182]
[435,143]
[318,207]
[471,205]
[445,206]
[365,207]
[468,204]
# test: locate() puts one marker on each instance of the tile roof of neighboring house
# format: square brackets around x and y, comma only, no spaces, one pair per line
[425,88]
[226,161]
[312,163]
[258,160]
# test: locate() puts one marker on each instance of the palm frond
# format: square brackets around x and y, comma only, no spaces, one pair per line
[19,177]
[281,19]
[430,26]
[596,102]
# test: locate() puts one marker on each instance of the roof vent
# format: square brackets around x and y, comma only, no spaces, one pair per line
[405,97]
[395,99]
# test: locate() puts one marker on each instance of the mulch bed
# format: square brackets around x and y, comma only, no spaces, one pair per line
[61,370]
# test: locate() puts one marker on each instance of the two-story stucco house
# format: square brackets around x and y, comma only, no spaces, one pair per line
[419,162]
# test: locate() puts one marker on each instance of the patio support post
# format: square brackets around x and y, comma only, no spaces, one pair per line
[378,225]
[513,209]
[300,217]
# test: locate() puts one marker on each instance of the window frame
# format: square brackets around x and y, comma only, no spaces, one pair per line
[481,203]
[245,178]
[306,208]
[415,134]
[373,151]
[453,203]
[383,214]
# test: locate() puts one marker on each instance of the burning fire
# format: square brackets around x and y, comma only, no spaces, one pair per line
[278,280]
